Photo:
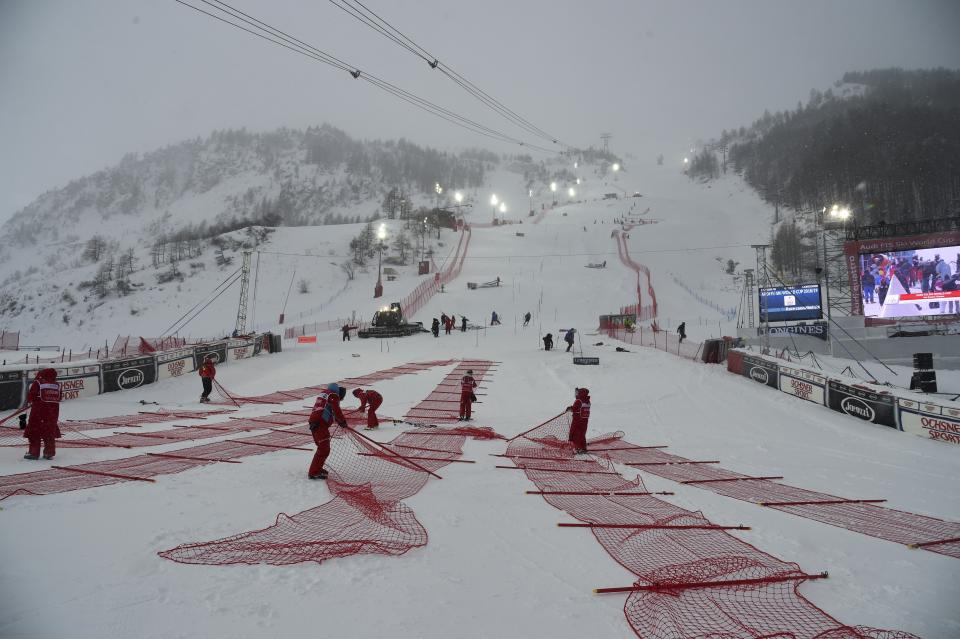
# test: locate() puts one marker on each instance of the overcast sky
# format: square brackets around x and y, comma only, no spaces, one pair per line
[82,82]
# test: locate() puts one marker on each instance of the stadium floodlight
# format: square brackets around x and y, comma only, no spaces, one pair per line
[382,232]
[493,200]
[615,167]
[438,188]
[458,196]
[553,187]
[686,160]
[572,192]
[838,212]
[578,181]
[503,207]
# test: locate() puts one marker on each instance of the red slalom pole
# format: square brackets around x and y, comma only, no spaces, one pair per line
[13,414]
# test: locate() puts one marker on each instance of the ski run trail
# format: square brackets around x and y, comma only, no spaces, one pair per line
[86,563]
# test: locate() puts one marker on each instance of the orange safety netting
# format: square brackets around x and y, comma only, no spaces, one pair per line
[856,514]
[693,578]
[368,480]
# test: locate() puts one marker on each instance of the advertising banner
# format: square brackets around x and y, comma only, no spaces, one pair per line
[11,389]
[218,350]
[239,349]
[75,381]
[862,403]
[819,330]
[127,374]
[930,420]
[803,384]
[760,371]
[259,342]
[175,363]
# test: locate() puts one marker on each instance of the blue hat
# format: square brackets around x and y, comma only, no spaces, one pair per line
[333,387]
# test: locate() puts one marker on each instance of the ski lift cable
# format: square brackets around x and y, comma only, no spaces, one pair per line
[182,326]
[298,46]
[383,27]
[190,310]
[275,36]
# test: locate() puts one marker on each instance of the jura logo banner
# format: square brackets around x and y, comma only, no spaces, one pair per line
[758,374]
[857,408]
[130,378]
[214,355]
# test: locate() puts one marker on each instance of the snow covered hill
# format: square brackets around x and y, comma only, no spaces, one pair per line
[495,564]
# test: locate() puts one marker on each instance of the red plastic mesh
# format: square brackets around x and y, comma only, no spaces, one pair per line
[442,406]
[866,518]
[673,562]
[365,516]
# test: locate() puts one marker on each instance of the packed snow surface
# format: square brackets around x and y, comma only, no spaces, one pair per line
[84,564]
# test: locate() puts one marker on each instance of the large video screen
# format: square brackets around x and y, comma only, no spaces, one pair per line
[910,283]
[790,303]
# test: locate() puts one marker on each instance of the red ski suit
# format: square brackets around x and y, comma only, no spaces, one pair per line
[326,411]
[581,415]
[467,384]
[44,401]
[373,399]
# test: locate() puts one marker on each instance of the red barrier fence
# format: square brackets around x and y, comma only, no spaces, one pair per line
[694,579]
[860,515]
[643,311]
[366,516]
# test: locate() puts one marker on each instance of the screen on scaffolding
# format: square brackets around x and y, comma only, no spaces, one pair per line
[790,303]
[910,283]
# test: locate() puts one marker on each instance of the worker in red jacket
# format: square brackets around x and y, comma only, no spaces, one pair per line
[467,385]
[208,371]
[370,398]
[326,411]
[43,398]
[578,425]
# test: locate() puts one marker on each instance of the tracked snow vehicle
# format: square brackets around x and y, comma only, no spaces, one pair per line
[389,322]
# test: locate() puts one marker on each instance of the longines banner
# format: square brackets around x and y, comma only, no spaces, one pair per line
[760,371]
[129,373]
[819,330]
[862,403]
[11,389]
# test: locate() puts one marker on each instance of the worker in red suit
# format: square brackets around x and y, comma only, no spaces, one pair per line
[208,371]
[43,398]
[578,425]
[326,412]
[467,385]
[371,400]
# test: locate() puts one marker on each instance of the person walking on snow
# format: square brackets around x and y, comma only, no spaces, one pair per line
[467,385]
[208,372]
[526,318]
[448,325]
[373,399]
[43,398]
[463,323]
[581,416]
[345,329]
[494,319]
[326,412]
[568,338]
[548,342]
[682,331]
[435,327]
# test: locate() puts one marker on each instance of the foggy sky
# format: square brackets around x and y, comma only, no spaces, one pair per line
[82,82]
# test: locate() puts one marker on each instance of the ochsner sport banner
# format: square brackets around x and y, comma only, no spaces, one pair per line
[862,403]
[760,370]
[930,420]
[239,349]
[803,384]
[218,350]
[75,381]
[11,389]
[129,373]
[175,363]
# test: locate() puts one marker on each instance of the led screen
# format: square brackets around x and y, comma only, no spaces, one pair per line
[910,283]
[790,303]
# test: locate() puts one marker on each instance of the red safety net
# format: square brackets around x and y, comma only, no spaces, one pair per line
[694,579]
[644,311]
[442,406]
[856,514]
[368,481]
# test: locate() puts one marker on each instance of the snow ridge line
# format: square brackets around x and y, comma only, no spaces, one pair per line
[694,579]
[857,515]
